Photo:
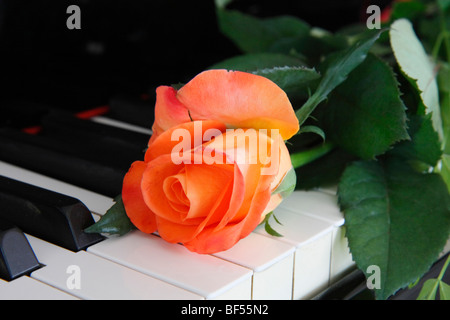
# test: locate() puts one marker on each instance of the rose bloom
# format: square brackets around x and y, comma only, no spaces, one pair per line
[209,186]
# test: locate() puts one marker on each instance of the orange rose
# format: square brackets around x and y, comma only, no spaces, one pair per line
[216,195]
[204,185]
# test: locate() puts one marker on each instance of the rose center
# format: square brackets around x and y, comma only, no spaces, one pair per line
[175,191]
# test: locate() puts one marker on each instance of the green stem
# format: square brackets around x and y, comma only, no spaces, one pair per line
[301,158]
[445,33]
[437,45]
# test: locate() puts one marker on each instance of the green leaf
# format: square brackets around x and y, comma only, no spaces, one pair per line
[254,61]
[409,10]
[277,221]
[312,129]
[271,231]
[424,145]
[290,78]
[429,290]
[267,226]
[287,185]
[252,35]
[338,67]
[444,86]
[416,65]
[445,169]
[395,218]
[444,291]
[114,221]
[444,4]
[368,123]
[413,284]
[287,71]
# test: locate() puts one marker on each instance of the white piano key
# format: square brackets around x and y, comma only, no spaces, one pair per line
[312,240]
[26,288]
[208,276]
[88,276]
[315,203]
[95,202]
[121,124]
[341,258]
[324,206]
[272,264]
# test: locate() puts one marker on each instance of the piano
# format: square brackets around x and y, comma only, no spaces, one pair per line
[311,254]
[76,151]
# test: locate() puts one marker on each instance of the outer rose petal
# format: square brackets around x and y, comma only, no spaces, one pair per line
[284,162]
[239,99]
[138,212]
[169,112]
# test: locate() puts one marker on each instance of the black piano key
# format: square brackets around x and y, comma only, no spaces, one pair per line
[21,113]
[133,110]
[51,216]
[16,255]
[112,155]
[67,125]
[20,149]
[351,287]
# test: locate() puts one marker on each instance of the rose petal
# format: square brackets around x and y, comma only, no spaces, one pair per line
[284,162]
[253,152]
[239,99]
[189,134]
[136,209]
[206,187]
[152,185]
[211,240]
[179,233]
[243,215]
[175,190]
[169,111]
[204,184]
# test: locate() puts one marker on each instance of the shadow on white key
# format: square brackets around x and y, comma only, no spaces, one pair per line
[272,263]
[90,277]
[330,189]
[312,240]
[205,275]
[26,288]
[324,206]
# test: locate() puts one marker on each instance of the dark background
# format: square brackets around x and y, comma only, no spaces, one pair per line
[127,46]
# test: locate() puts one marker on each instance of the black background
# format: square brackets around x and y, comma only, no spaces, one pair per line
[127,46]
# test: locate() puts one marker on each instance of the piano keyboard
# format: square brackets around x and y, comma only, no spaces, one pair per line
[311,255]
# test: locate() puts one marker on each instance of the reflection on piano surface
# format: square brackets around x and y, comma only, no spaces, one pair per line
[310,256]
